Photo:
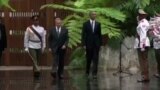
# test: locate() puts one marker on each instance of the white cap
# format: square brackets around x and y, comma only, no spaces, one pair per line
[141,11]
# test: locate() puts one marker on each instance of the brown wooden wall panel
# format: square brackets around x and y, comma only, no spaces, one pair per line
[16,23]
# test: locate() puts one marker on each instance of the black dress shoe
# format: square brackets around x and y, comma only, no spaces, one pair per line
[54,74]
[36,79]
[143,80]
[37,74]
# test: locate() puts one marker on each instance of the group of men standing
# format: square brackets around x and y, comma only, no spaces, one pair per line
[34,43]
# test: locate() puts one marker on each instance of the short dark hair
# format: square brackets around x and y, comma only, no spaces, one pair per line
[91,12]
[35,17]
[57,18]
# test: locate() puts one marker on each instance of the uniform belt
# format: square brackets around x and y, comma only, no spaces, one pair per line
[36,41]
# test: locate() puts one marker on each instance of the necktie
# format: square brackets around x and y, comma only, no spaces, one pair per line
[58,31]
[92,26]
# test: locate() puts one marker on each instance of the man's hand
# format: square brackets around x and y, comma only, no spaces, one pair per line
[50,49]
[64,47]
[26,50]
[43,49]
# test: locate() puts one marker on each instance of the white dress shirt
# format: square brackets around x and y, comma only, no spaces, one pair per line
[142,29]
[31,40]
[58,30]
[92,24]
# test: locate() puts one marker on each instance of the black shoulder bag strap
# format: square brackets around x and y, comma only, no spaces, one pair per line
[38,35]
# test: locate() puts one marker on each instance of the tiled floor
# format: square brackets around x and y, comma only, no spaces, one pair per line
[73,80]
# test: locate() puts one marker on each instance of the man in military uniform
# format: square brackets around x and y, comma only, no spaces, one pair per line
[35,43]
[142,44]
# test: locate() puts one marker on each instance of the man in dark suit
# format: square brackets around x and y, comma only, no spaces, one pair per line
[58,40]
[3,40]
[91,41]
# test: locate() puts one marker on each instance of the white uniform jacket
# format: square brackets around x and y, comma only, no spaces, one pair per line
[31,40]
[142,40]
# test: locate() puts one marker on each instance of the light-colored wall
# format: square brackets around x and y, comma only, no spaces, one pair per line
[109,58]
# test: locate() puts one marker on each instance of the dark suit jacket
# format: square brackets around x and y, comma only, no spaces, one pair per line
[55,41]
[90,38]
[3,40]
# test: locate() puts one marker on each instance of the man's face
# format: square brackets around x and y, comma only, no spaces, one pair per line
[93,15]
[36,22]
[58,22]
[142,16]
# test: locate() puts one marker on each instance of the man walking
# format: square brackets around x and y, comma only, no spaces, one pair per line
[35,43]
[58,40]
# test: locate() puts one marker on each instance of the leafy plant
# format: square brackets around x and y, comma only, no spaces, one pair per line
[107,16]
[78,58]
[5,3]
[130,8]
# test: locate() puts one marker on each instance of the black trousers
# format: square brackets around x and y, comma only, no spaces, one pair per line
[143,61]
[58,62]
[157,55]
[92,55]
